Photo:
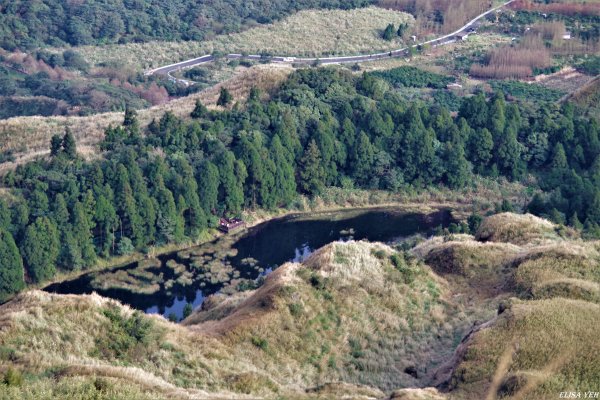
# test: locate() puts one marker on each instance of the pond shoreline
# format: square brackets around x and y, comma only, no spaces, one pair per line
[255,218]
[233,263]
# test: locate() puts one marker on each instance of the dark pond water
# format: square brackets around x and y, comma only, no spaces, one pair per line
[252,254]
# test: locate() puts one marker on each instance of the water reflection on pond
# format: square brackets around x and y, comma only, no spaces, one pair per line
[166,284]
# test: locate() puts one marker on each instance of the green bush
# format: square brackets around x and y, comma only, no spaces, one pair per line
[413,77]
[379,254]
[123,334]
[356,350]
[13,377]
[296,309]
[187,310]
[261,343]
[591,66]
[527,91]
[402,265]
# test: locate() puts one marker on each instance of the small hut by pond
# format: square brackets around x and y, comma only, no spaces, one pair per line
[229,225]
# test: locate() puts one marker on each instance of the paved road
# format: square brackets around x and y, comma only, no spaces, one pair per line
[440,41]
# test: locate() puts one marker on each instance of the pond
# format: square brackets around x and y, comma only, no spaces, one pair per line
[167,283]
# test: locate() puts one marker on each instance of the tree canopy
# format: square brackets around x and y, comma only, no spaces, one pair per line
[324,127]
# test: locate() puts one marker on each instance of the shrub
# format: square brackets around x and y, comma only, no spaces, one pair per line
[474,222]
[13,377]
[379,254]
[296,309]
[413,77]
[125,246]
[400,262]
[172,317]
[317,281]
[123,333]
[356,350]
[591,66]
[187,310]
[527,91]
[261,343]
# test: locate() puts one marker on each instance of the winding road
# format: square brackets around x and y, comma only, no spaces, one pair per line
[440,41]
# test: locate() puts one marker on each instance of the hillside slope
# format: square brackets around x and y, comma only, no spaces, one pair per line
[55,22]
[356,320]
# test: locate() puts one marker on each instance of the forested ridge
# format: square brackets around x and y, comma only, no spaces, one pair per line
[33,23]
[324,127]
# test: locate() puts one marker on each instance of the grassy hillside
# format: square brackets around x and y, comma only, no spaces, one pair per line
[43,22]
[28,137]
[307,33]
[355,319]
[344,312]
[588,97]
[543,340]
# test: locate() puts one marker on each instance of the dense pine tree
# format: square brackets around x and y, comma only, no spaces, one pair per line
[11,266]
[311,170]
[322,128]
[40,249]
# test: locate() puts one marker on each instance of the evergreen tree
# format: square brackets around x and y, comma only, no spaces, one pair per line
[107,222]
[284,180]
[20,220]
[251,158]
[536,144]
[593,212]
[402,29]
[559,157]
[5,216]
[55,145]
[231,192]
[144,205]
[40,249]
[130,122]
[70,253]
[208,187]
[225,98]
[389,32]
[311,170]
[200,110]
[324,138]
[60,212]
[268,196]
[362,159]
[481,145]
[82,233]
[575,222]
[508,154]
[187,310]
[497,117]
[69,145]
[38,203]
[11,266]
[475,110]
[170,224]
[194,215]
[457,168]
[241,174]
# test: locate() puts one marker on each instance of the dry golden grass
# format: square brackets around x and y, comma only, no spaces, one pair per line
[345,315]
[29,137]
[516,229]
[342,314]
[343,307]
[485,269]
[543,265]
[311,33]
[417,394]
[553,344]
